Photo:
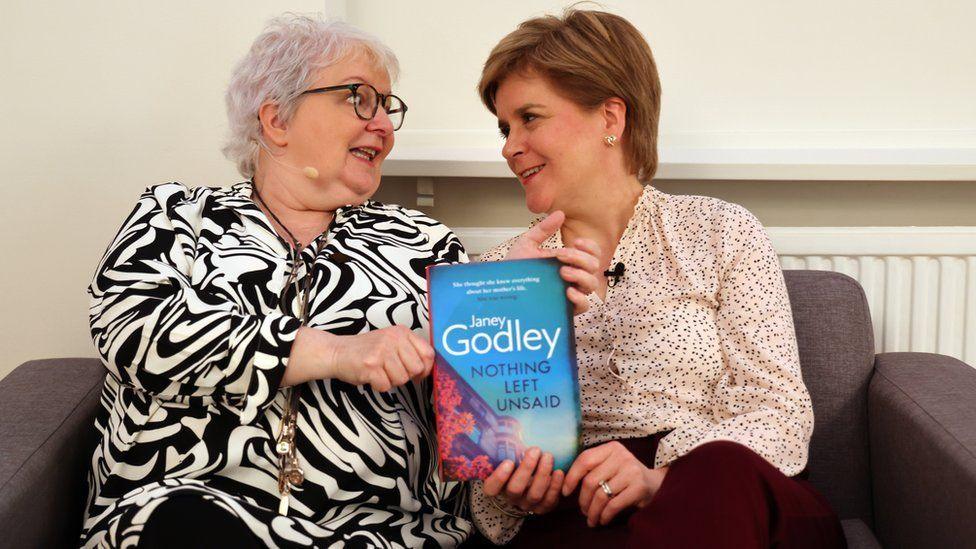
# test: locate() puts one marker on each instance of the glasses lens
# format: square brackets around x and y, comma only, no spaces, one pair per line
[396,109]
[365,102]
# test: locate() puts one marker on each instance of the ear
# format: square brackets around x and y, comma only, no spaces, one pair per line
[272,126]
[614,114]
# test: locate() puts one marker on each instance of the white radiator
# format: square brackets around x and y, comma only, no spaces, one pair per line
[920,281]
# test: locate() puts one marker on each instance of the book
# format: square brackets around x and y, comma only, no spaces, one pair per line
[505,374]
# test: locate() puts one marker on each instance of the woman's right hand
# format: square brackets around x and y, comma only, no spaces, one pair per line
[532,487]
[581,263]
[384,358]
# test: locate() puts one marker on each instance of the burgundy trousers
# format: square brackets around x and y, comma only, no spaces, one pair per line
[721,494]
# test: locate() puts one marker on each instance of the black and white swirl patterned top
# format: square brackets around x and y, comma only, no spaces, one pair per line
[185,315]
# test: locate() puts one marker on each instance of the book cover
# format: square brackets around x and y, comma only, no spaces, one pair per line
[505,368]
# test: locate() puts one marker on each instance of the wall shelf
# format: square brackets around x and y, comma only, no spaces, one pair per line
[783,164]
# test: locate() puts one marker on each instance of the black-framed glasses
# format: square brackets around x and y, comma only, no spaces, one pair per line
[366,100]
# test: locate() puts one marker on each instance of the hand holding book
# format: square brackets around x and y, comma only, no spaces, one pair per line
[581,266]
[384,358]
[533,487]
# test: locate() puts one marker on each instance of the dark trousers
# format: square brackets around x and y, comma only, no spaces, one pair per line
[191,522]
[720,494]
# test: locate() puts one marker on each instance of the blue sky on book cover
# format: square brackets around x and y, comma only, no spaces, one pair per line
[500,326]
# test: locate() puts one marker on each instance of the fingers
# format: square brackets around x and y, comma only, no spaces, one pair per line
[496,480]
[585,281]
[384,359]
[552,494]
[546,228]
[581,268]
[395,370]
[589,246]
[425,351]
[590,488]
[540,481]
[365,368]
[529,244]
[580,303]
[379,381]
[519,483]
[532,486]
[579,258]
[412,354]
[630,496]
[400,360]
[408,356]
[410,360]
[599,498]
[585,462]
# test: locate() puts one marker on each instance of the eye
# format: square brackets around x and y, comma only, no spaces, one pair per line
[528,117]
[354,98]
[503,131]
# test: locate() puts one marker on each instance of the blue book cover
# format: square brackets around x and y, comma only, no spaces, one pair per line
[505,369]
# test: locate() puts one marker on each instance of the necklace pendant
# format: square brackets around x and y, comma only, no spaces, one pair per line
[283,447]
[296,476]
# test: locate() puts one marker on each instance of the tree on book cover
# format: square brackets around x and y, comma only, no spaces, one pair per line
[505,368]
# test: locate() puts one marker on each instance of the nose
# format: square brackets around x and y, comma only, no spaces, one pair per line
[380,123]
[513,147]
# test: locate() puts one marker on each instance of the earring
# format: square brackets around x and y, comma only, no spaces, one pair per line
[610,140]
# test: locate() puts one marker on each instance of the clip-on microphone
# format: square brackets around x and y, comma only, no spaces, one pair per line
[614,275]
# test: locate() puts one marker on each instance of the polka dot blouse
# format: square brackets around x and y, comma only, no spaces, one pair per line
[696,338]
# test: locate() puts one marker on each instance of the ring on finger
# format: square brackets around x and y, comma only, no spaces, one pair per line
[606,489]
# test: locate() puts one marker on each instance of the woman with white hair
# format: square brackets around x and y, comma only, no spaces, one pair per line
[265,386]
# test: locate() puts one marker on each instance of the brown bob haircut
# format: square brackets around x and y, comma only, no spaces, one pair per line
[588,57]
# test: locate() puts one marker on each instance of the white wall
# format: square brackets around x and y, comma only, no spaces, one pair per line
[765,73]
[101,99]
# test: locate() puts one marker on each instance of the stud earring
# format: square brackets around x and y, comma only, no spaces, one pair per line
[610,140]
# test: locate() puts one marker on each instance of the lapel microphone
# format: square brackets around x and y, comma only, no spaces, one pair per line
[614,275]
[308,171]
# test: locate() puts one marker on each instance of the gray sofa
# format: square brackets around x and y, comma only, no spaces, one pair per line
[894,447]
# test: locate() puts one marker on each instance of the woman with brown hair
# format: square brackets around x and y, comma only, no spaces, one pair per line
[695,416]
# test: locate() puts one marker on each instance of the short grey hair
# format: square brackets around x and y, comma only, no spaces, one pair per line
[280,65]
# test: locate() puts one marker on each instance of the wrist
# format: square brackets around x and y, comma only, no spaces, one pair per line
[653,478]
[329,355]
[312,357]
[507,508]
[326,356]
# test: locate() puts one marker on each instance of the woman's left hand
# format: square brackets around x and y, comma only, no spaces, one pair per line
[581,266]
[629,481]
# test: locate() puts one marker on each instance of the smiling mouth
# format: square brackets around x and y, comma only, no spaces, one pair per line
[531,171]
[364,153]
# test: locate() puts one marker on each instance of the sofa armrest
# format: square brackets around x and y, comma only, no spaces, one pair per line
[922,425]
[47,436]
